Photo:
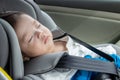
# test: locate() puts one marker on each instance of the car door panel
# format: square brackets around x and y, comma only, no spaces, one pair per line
[91,25]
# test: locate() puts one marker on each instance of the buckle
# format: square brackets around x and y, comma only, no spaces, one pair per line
[4,75]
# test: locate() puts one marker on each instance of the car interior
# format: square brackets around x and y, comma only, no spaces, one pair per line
[95,21]
[94,25]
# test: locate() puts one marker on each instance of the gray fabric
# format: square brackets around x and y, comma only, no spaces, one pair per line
[43,63]
[17,5]
[15,52]
[57,33]
[4,46]
[31,77]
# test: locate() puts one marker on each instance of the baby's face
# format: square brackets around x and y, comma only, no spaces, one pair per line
[34,38]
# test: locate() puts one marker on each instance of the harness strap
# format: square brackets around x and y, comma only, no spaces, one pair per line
[42,64]
[92,48]
[74,62]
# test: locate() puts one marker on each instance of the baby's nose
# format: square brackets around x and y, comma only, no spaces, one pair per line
[38,32]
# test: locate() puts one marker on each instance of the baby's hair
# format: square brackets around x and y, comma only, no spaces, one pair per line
[11,16]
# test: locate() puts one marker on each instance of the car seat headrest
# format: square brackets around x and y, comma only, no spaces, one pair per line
[31,8]
[15,56]
[4,46]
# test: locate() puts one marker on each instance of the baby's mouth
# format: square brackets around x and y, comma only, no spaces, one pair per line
[45,39]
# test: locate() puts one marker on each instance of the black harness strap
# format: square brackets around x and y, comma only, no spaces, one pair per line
[92,48]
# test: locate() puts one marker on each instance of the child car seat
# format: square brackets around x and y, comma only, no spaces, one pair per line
[15,57]
[10,54]
[3,45]
[15,66]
